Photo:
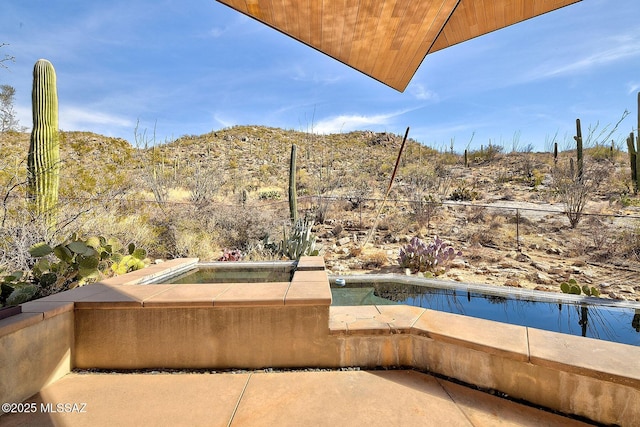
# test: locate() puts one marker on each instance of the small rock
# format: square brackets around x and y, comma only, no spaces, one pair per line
[539,277]
[542,266]
[605,285]
[513,283]
[555,250]
[556,270]
[343,241]
[613,295]
[458,263]
[579,263]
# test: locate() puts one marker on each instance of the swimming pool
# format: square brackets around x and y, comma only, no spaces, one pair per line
[590,317]
[233,272]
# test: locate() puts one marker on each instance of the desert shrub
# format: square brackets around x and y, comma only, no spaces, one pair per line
[240,227]
[482,237]
[601,152]
[15,240]
[628,244]
[337,230]
[375,259]
[424,209]
[270,195]
[476,214]
[464,192]
[487,154]
[575,191]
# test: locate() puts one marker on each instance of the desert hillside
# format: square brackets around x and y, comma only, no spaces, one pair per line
[198,195]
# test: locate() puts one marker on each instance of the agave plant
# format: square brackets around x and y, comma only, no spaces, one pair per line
[418,256]
[299,241]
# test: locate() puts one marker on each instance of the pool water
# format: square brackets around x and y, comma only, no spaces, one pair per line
[220,274]
[595,321]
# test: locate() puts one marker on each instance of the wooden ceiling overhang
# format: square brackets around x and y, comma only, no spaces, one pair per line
[388,39]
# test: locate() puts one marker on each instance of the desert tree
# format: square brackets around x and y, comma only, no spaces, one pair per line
[575,190]
[8,119]
[152,164]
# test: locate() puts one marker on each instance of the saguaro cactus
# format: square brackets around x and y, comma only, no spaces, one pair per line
[633,161]
[634,157]
[579,154]
[43,161]
[293,198]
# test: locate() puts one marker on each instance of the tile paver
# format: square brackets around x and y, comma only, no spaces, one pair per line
[300,398]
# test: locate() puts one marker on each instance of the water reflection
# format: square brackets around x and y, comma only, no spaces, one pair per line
[607,323]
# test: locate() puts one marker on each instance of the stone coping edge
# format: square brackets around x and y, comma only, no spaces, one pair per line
[589,357]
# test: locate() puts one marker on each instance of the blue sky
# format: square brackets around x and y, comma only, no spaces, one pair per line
[188,67]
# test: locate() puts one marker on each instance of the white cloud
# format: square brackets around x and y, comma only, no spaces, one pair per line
[419,91]
[75,118]
[223,121]
[347,123]
[633,87]
[612,50]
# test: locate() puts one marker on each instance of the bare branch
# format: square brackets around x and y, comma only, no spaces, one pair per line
[6,58]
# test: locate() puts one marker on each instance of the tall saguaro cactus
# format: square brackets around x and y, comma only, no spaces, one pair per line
[293,198]
[579,154]
[43,161]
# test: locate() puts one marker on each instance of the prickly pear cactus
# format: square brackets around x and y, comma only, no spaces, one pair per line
[43,161]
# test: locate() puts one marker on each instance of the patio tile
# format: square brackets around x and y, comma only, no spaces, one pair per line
[478,334]
[400,317]
[378,398]
[310,276]
[312,293]
[121,296]
[310,263]
[186,295]
[485,410]
[253,294]
[358,319]
[77,294]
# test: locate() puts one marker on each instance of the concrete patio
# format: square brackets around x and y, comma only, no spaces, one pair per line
[327,398]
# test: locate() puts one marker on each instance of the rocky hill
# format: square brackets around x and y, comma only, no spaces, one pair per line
[200,194]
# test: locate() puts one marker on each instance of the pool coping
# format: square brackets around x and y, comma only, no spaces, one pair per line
[481,352]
